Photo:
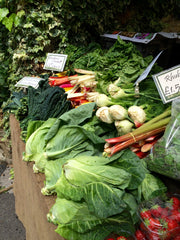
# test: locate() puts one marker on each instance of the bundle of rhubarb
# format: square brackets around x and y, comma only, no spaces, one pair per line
[142,139]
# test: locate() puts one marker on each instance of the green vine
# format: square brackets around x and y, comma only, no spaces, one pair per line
[30,29]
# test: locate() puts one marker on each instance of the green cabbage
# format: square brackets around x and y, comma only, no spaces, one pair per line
[75,221]
[98,195]
[61,138]
[36,141]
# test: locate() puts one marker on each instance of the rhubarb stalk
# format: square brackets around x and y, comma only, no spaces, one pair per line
[120,146]
[157,122]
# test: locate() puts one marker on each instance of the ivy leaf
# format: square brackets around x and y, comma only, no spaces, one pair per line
[18,17]
[3,13]
[16,21]
[28,25]
[8,21]
[20,13]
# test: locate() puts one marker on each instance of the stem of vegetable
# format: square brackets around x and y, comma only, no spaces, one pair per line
[125,144]
[147,146]
[149,127]
[84,71]
[165,114]
[157,122]
[149,96]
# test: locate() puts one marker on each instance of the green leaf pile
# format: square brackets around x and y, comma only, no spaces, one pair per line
[96,195]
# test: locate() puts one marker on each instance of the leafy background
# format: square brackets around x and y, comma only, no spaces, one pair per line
[31,29]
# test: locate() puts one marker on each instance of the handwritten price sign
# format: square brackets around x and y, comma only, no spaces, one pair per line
[55,62]
[168,84]
[29,81]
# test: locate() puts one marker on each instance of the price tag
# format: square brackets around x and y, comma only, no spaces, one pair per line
[55,62]
[29,81]
[168,84]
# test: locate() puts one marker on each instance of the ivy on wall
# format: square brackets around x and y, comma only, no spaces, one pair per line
[30,29]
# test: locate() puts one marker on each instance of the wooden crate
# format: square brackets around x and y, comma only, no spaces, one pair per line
[30,205]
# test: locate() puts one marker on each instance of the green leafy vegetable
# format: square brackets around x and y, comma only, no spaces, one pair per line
[32,127]
[78,222]
[80,174]
[57,138]
[133,165]
[104,199]
[46,101]
[152,187]
[52,172]
[66,211]
[98,195]
[120,66]
[164,156]
[36,142]
[53,169]
[71,141]
[74,117]
[39,104]
[101,231]
[76,175]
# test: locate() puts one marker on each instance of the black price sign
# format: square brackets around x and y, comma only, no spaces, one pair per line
[168,84]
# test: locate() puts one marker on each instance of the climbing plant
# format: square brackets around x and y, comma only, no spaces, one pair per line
[30,29]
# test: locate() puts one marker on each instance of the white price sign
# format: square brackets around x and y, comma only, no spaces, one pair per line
[55,62]
[29,81]
[168,84]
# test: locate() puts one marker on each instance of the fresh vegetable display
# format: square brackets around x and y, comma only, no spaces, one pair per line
[38,104]
[65,137]
[106,77]
[95,197]
[159,219]
[89,133]
[69,152]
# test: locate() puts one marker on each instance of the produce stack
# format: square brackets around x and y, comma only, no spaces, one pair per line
[93,137]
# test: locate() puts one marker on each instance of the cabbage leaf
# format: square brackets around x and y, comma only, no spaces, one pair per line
[75,221]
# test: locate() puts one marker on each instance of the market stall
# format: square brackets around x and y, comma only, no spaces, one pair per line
[85,143]
[91,105]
